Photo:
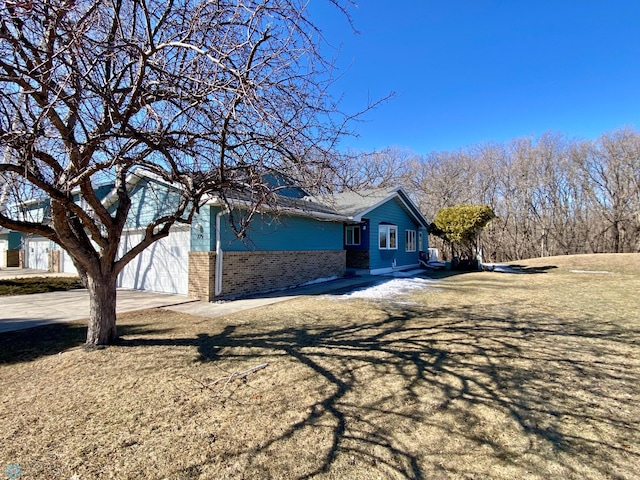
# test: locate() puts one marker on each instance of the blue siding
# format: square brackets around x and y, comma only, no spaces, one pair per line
[150,200]
[392,212]
[266,232]
[101,191]
[269,233]
[203,230]
[15,240]
[33,212]
[104,190]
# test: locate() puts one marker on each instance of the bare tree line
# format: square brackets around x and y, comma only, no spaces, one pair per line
[552,195]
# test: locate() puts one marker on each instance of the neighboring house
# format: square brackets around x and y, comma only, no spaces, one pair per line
[25,250]
[34,251]
[305,239]
[9,248]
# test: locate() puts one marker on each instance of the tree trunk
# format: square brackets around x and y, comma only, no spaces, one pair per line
[102,310]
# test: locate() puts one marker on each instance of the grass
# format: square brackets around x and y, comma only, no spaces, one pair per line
[484,375]
[26,286]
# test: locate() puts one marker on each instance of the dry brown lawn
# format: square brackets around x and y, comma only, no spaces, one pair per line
[483,375]
[27,286]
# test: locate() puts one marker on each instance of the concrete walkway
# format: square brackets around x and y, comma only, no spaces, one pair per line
[26,311]
[15,272]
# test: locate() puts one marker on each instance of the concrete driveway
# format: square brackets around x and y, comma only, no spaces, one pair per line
[19,312]
[25,311]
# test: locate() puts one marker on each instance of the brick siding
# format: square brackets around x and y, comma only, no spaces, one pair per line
[201,275]
[254,272]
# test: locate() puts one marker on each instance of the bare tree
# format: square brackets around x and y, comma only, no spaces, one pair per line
[204,95]
[379,169]
[612,169]
[551,195]
[444,179]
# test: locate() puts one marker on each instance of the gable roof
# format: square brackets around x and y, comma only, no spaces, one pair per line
[350,206]
[357,204]
[305,207]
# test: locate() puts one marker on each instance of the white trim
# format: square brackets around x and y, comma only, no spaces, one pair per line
[382,271]
[389,227]
[359,216]
[174,228]
[406,240]
[422,221]
[215,201]
[411,207]
[346,237]
[217,288]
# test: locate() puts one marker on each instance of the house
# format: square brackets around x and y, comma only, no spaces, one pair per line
[304,239]
[9,248]
[19,249]
[25,250]
[385,230]
[377,231]
[301,241]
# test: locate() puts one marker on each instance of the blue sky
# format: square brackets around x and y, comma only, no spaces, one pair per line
[469,72]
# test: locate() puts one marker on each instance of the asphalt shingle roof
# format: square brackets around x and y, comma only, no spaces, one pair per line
[352,203]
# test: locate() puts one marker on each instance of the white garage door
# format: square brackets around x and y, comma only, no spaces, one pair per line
[67,263]
[161,267]
[4,246]
[38,253]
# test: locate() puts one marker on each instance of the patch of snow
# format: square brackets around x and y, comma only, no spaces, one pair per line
[389,289]
[590,271]
[501,268]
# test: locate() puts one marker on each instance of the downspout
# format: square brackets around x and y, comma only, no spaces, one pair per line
[218,271]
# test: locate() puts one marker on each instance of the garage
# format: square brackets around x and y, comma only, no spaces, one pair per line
[4,246]
[161,267]
[67,263]
[37,253]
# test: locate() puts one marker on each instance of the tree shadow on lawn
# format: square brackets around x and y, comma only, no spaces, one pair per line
[492,268]
[50,339]
[526,392]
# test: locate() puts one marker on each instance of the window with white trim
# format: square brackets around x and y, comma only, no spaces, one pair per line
[410,239]
[352,235]
[388,237]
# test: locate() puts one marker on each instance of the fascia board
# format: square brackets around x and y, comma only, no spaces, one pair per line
[413,210]
[359,216]
[400,194]
[132,179]
[242,204]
